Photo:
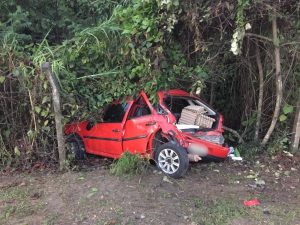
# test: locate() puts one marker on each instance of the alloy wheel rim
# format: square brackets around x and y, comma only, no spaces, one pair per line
[168,161]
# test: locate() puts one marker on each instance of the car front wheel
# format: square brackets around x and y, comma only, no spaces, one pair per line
[172,159]
[75,148]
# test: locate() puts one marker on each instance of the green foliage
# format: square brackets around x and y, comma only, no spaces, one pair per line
[132,51]
[27,125]
[286,110]
[279,143]
[218,211]
[105,50]
[240,21]
[250,150]
[240,15]
[20,202]
[128,165]
[5,154]
[32,19]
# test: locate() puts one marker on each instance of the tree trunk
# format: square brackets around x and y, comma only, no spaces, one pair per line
[46,67]
[296,128]
[261,92]
[278,76]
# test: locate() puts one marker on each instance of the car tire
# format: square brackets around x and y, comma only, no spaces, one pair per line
[172,159]
[75,147]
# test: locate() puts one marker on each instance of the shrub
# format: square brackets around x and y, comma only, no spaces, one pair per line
[128,165]
[250,150]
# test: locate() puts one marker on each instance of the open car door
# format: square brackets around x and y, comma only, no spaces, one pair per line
[139,125]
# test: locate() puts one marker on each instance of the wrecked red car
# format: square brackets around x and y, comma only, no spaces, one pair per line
[178,129]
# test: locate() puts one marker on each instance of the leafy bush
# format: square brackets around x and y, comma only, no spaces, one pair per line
[279,143]
[249,150]
[129,164]
[105,50]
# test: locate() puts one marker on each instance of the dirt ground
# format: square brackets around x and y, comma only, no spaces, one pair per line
[210,193]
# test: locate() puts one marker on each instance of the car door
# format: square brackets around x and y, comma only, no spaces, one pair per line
[105,138]
[138,126]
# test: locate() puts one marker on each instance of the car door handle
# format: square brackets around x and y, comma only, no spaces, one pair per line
[150,123]
[115,130]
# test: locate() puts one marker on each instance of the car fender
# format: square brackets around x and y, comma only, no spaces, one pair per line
[76,129]
[167,134]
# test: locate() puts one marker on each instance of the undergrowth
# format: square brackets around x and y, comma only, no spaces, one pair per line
[279,143]
[128,165]
[249,150]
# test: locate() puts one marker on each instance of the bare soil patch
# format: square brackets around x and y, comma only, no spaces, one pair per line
[210,193]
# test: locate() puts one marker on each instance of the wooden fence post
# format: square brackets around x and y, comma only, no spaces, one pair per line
[46,68]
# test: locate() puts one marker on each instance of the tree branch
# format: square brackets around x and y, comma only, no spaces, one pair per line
[258,36]
[279,84]
[235,133]
[261,92]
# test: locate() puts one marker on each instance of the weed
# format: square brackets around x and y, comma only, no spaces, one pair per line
[51,219]
[7,211]
[226,210]
[129,164]
[5,155]
[250,150]
[223,210]
[17,204]
[219,211]
[199,203]
[279,143]
[13,193]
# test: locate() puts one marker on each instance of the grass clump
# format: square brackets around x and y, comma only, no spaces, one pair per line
[219,211]
[16,203]
[128,165]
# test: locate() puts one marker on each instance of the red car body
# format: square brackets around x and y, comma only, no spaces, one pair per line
[141,124]
[136,134]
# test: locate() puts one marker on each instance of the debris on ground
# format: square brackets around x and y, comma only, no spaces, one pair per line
[166,179]
[266,211]
[234,154]
[252,202]
[288,154]
[260,182]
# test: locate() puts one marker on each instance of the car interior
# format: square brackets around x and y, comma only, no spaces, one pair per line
[176,104]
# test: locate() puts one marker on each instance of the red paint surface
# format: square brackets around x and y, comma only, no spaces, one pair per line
[136,134]
[251,202]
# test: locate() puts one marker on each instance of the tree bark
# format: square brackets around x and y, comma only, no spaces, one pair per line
[261,92]
[296,128]
[278,76]
[46,67]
